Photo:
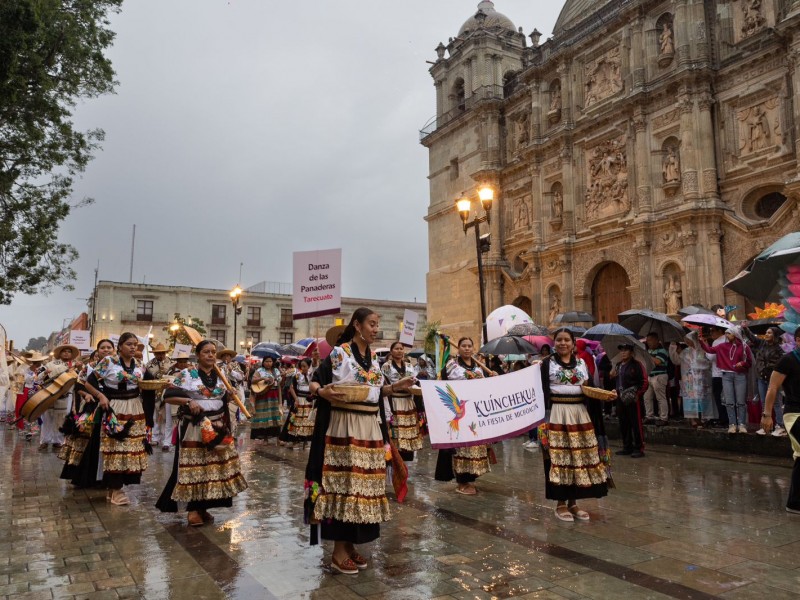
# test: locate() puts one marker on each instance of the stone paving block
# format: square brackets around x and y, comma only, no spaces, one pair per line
[114,582]
[759,591]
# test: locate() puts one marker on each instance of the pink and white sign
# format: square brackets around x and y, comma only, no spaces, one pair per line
[317,283]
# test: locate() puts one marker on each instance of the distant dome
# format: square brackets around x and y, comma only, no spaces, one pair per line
[493,19]
[575,11]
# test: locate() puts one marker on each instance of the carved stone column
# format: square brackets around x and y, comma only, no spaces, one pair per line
[694,293]
[646,275]
[469,81]
[439,98]
[707,150]
[643,180]
[713,259]
[539,212]
[571,179]
[681,26]
[691,188]
[794,75]
[536,109]
[637,54]
[567,283]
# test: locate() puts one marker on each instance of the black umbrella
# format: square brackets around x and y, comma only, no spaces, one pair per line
[416,352]
[601,330]
[760,326]
[524,329]
[642,322]
[695,309]
[508,344]
[761,280]
[574,317]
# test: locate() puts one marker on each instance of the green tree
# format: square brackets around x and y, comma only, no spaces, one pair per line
[51,56]
[177,335]
[36,343]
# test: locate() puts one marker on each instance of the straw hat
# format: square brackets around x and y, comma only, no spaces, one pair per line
[35,356]
[159,347]
[75,350]
[332,335]
[226,352]
[181,355]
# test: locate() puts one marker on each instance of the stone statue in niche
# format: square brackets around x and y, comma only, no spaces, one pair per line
[558,204]
[672,166]
[555,304]
[752,18]
[673,294]
[521,215]
[759,129]
[666,40]
[555,99]
[607,191]
[760,126]
[523,132]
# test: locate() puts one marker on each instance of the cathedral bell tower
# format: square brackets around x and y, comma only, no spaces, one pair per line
[473,74]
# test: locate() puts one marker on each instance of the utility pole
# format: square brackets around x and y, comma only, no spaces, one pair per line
[133,246]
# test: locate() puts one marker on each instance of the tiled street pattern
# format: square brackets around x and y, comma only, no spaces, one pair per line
[678,525]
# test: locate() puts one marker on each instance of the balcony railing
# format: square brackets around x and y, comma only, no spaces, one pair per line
[482,94]
[287,324]
[219,321]
[136,317]
[254,322]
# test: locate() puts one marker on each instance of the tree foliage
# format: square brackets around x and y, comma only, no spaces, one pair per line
[179,336]
[36,343]
[51,56]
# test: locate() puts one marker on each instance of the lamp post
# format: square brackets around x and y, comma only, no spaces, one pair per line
[464,207]
[235,294]
[173,330]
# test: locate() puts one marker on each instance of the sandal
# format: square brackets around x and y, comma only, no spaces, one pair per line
[564,515]
[119,498]
[467,490]
[207,517]
[195,519]
[347,566]
[578,513]
[358,560]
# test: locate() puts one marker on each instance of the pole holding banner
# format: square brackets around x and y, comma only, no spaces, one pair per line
[316,283]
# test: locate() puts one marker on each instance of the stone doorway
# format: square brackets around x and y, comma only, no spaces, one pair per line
[610,295]
[524,304]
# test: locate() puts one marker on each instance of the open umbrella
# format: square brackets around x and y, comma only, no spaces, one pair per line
[322,345]
[509,358]
[574,316]
[539,341]
[707,320]
[611,344]
[760,326]
[529,329]
[761,280]
[601,330]
[643,321]
[416,352]
[508,344]
[695,309]
[504,318]
[575,329]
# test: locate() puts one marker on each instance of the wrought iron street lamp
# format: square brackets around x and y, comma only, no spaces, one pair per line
[464,207]
[235,294]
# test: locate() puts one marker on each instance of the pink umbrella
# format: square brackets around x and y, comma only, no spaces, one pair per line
[539,340]
[324,348]
[591,344]
[703,319]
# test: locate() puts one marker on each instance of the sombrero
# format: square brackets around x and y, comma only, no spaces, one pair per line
[181,355]
[159,347]
[226,352]
[35,356]
[332,335]
[76,352]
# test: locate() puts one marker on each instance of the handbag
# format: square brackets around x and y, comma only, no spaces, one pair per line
[628,396]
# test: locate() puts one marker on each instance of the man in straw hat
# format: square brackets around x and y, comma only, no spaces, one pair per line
[159,367]
[34,361]
[180,361]
[235,376]
[53,417]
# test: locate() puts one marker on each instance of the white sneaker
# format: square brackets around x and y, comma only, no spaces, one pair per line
[779,431]
[533,446]
[742,428]
[732,429]
[761,432]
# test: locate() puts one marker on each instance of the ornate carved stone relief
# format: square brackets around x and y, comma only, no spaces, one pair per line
[753,19]
[602,77]
[522,214]
[760,127]
[607,180]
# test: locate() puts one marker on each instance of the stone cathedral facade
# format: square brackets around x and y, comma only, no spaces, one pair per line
[641,156]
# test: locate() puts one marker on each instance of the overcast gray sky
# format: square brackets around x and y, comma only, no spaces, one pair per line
[244,130]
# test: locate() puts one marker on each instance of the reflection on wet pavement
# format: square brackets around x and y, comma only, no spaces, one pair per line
[678,525]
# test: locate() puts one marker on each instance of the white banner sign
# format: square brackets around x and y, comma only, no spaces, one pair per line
[483,411]
[409,330]
[317,283]
[181,351]
[114,339]
[81,339]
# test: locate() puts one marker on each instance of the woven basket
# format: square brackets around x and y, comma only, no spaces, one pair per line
[154,384]
[352,392]
[598,394]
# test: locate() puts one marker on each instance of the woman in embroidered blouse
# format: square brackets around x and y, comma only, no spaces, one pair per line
[346,470]
[464,464]
[206,472]
[266,421]
[115,384]
[572,466]
[400,409]
[301,427]
[83,472]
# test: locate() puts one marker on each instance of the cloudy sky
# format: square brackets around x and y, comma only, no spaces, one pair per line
[244,130]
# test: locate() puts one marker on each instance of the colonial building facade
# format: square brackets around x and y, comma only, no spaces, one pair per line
[640,157]
[266,313]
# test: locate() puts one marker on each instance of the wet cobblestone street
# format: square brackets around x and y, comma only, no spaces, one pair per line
[680,524]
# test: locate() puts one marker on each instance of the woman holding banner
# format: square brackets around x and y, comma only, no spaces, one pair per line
[345,487]
[572,466]
[464,464]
